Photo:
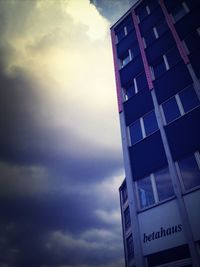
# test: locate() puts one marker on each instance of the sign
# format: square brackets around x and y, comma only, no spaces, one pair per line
[161,228]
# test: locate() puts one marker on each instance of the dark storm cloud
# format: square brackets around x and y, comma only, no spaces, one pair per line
[56,207]
[112,9]
[25,140]
[28,225]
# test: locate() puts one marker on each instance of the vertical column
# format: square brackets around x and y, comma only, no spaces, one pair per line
[123,227]
[117,79]
[141,46]
[138,253]
[174,33]
[175,179]
[180,47]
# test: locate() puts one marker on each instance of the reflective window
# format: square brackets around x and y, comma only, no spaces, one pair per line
[124,193]
[163,184]
[125,59]
[189,98]
[150,123]
[145,191]
[190,172]
[149,37]
[141,81]
[130,91]
[135,132]
[143,127]
[130,247]
[171,110]
[127,219]
[162,28]
[159,68]
[135,50]
[193,41]
[173,56]
[180,11]
[154,188]
[120,34]
[181,103]
[142,13]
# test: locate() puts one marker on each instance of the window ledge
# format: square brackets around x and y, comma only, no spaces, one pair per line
[156,204]
[189,191]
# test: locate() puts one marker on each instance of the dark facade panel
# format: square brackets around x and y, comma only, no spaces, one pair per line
[147,156]
[184,134]
[151,20]
[126,43]
[133,68]
[192,4]
[195,59]
[151,3]
[159,47]
[168,255]
[172,82]
[170,4]
[126,22]
[137,106]
[191,20]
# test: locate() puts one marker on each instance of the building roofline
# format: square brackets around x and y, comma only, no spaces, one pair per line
[122,184]
[125,14]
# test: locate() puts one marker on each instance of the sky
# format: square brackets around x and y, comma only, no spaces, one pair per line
[60,150]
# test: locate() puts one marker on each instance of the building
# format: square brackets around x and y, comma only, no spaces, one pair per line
[156,51]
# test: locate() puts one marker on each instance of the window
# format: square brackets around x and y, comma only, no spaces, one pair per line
[163,184]
[189,171]
[161,28]
[137,84]
[124,193]
[167,61]
[171,110]
[154,188]
[179,104]
[143,127]
[189,99]
[160,67]
[149,37]
[130,247]
[150,123]
[153,34]
[129,55]
[143,12]
[145,192]
[121,33]
[127,219]
[125,58]
[135,132]
[192,41]
[173,56]
[180,11]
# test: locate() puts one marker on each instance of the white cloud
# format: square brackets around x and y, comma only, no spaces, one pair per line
[65,46]
[110,217]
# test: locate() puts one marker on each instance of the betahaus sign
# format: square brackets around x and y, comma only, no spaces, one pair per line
[162,233]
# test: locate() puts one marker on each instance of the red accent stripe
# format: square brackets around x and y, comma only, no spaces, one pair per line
[117,79]
[174,33]
[141,45]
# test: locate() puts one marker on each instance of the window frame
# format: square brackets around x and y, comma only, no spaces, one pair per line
[196,155]
[179,105]
[127,223]
[136,89]
[185,8]
[154,190]
[142,128]
[125,33]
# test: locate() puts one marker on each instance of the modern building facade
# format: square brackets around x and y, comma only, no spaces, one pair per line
[156,51]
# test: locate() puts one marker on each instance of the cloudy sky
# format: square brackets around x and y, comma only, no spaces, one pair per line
[60,149]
